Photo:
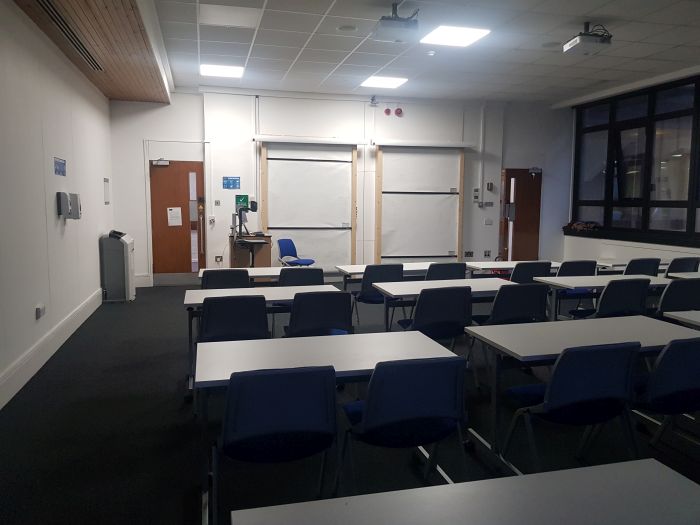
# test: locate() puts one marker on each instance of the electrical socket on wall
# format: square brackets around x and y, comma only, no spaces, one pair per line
[219,258]
[469,254]
[39,311]
[487,253]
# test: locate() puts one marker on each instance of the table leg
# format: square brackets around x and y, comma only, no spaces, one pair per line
[495,387]
[386,314]
[554,307]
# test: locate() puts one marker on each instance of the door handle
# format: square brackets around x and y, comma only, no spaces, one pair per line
[200,234]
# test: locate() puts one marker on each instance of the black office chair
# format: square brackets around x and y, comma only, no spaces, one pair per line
[233,319]
[275,416]
[441,313]
[620,297]
[649,266]
[229,278]
[300,276]
[517,303]
[524,272]
[589,386]
[576,269]
[683,265]
[680,295]
[443,271]
[375,273]
[320,313]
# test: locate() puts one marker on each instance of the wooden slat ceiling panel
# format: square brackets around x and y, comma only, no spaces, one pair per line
[112,31]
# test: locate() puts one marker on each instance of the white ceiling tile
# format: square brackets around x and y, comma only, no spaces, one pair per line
[237,3]
[223,48]
[229,16]
[238,35]
[569,7]
[300,6]
[267,64]
[687,12]
[332,25]
[561,59]
[603,61]
[680,54]
[184,63]
[260,78]
[635,31]
[360,71]
[647,64]
[275,52]
[334,43]
[630,8]
[176,12]
[222,60]
[178,45]
[637,50]
[522,56]
[368,9]
[676,36]
[536,22]
[179,30]
[272,37]
[384,48]
[368,59]
[319,68]
[319,55]
[304,23]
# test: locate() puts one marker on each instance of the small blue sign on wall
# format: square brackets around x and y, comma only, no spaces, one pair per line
[59,167]
[232,183]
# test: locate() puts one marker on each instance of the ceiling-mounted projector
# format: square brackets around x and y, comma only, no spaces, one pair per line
[395,28]
[589,41]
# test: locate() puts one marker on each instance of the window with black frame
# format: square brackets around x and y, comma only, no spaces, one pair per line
[636,169]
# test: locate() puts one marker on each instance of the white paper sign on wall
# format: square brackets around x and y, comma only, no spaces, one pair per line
[174,216]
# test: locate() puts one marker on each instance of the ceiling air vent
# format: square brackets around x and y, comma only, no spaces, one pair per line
[57,18]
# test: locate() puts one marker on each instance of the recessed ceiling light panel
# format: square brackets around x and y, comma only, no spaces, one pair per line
[229,16]
[214,70]
[384,82]
[454,36]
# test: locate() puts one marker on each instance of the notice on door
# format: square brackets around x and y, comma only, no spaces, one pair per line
[174,216]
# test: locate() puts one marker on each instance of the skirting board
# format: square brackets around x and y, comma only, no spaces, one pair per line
[25,366]
[143,280]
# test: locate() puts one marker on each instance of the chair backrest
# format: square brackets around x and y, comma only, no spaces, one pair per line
[590,374]
[683,264]
[649,266]
[415,391]
[320,313]
[229,278]
[680,295]
[300,277]
[233,319]
[279,415]
[440,271]
[577,268]
[674,383]
[443,313]
[286,248]
[623,297]
[525,271]
[519,303]
[379,273]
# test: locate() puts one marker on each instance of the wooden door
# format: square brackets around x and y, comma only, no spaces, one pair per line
[177,217]
[519,227]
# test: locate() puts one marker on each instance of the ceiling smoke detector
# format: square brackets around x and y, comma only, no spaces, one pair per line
[590,41]
[396,29]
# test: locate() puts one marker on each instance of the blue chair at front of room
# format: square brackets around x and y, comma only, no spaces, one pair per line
[288,254]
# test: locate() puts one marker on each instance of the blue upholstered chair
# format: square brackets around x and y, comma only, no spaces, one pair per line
[288,254]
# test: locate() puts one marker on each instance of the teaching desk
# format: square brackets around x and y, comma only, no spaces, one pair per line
[533,344]
[643,492]
[486,287]
[590,282]
[688,318]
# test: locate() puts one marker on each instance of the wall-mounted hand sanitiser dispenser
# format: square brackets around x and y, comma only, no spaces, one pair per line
[63,204]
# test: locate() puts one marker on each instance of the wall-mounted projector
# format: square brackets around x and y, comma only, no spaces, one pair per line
[395,28]
[589,41]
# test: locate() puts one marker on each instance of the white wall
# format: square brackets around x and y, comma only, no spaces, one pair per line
[48,109]
[586,248]
[227,123]
[535,135]
[143,131]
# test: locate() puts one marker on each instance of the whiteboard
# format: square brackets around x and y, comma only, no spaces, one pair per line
[419,224]
[309,151]
[309,193]
[420,169]
[327,247]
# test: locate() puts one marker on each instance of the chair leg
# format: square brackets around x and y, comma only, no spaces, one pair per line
[322,474]
[531,438]
[432,461]
[462,445]
[214,501]
[628,430]
[509,434]
[345,449]
[665,424]
[582,445]
[356,309]
[452,344]
[470,361]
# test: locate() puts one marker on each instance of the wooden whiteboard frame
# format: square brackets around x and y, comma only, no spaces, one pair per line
[378,183]
[264,198]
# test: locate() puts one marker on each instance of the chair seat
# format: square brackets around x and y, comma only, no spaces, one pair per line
[401,434]
[480,318]
[577,293]
[405,323]
[580,313]
[273,448]
[369,299]
[527,395]
[299,262]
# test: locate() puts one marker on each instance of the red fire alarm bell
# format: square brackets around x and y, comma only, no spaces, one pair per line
[387,112]
[398,112]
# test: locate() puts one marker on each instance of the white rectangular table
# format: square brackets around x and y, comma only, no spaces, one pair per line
[352,272]
[501,265]
[353,356]
[533,344]
[685,275]
[688,318]
[591,282]
[410,289]
[643,492]
[195,298]
[619,264]
[259,272]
